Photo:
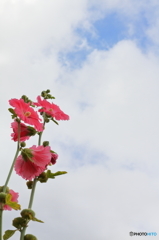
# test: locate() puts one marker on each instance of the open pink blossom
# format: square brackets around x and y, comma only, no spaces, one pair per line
[32,162]
[25,132]
[26,113]
[51,109]
[14,198]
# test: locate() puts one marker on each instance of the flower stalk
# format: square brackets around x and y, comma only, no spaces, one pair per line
[32,190]
[33,162]
[8,178]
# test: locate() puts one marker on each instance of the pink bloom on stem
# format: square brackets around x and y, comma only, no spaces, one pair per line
[14,198]
[32,162]
[24,132]
[26,113]
[54,157]
[51,109]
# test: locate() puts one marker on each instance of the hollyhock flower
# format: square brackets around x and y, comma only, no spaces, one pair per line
[54,157]
[26,113]
[14,198]
[51,109]
[25,131]
[32,162]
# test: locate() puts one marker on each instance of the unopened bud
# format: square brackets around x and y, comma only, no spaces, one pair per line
[22,144]
[27,214]
[43,93]
[29,184]
[25,98]
[46,143]
[19,222]
[43,177]
[30,237]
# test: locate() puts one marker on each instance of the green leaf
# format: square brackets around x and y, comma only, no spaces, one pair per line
[11,110]
[37,220]
[49,174]
[53,175]
[54,121]
[59,173]
[8,234]
[13,205]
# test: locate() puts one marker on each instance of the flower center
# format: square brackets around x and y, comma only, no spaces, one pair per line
[27,114]
[51,110]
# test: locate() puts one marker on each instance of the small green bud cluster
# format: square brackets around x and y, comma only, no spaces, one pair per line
[26,99]
[26,216]
[46,94]
[43,177]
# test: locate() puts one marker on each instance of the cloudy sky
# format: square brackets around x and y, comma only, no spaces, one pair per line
[100,59]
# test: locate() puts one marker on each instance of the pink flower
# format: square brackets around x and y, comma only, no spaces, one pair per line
[14,198]
[25,131]
[32,162]
[54,157]
[26,113]
[51,109]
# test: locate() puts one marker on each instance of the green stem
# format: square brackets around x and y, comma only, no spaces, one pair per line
[32,191]
[22,233]
[8,178]
[1,214]
[11,169]
[39,141]
[15,157]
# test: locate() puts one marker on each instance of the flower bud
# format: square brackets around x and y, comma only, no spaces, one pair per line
[27,214]
[43,177]
[19,222]
[22,144]
[43,94]
[29,184]
[3,197]
[54,157]
[30,237]
[25,98]
[46,143]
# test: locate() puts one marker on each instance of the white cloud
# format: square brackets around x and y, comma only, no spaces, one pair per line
[120,88]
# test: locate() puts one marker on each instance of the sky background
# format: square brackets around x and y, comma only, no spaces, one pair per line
[100,59]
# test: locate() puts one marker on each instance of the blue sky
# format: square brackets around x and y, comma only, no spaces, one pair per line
[106,32]
[100,60]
